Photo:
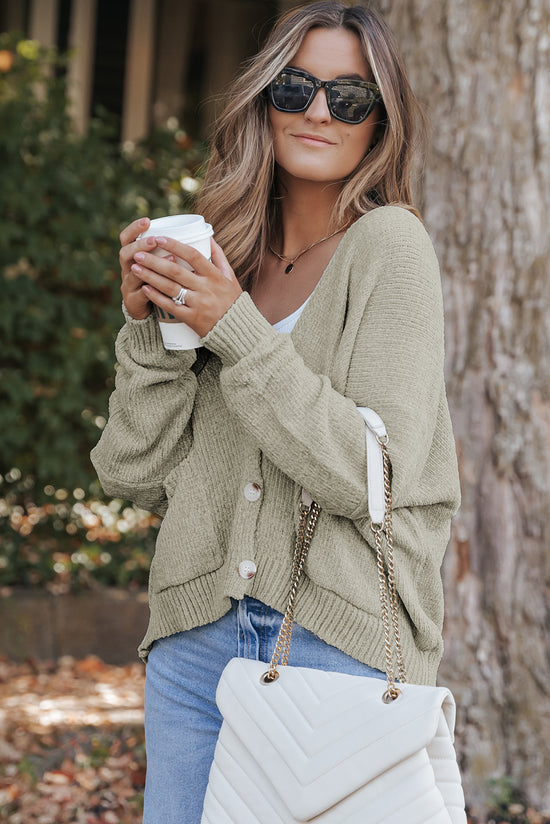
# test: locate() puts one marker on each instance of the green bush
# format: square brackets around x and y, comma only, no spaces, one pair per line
[63,200]
[72,542]
[507,803]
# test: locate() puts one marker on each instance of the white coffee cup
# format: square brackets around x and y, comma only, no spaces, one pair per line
[194,231]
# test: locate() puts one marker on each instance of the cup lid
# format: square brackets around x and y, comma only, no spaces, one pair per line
[192,226]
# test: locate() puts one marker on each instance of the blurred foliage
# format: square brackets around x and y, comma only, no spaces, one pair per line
[63,201]
[507,804]
[72,542]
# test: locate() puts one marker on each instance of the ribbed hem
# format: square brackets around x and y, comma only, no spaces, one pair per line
[183,607]
[355,632]
[324,613]
[241,330]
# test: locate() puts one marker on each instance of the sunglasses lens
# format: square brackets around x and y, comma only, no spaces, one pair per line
[352,103]
[349,101]
[291,93]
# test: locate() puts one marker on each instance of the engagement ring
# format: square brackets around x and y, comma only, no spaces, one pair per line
[180,297]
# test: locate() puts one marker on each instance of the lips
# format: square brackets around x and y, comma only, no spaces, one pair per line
[313,139]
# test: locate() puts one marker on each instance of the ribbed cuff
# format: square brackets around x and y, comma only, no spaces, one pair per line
[145,340]
[241,330]
[144,334]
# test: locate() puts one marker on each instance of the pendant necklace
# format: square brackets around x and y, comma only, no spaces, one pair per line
[292,261]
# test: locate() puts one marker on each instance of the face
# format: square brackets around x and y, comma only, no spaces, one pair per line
[312,145]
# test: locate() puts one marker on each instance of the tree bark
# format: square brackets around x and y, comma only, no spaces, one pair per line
[481,69]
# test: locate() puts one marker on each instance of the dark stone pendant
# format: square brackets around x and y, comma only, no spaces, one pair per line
[289,268]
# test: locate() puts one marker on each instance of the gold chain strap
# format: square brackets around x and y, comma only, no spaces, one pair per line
[386,583]
[386,580]
[306,526]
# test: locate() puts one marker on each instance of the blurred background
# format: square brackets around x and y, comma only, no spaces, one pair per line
[105,114]
[147,60]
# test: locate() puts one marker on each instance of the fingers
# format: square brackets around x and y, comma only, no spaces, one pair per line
[165,286]
[126,254]
[136,301]
[220,261]
[164,273]
[133,230]
[189,254]
[212,289]
[158,278]
[131,242]
[166,302]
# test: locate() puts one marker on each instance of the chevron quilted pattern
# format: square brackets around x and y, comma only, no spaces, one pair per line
[323,747]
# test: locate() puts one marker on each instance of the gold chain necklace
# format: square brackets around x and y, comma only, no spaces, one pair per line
[292,261]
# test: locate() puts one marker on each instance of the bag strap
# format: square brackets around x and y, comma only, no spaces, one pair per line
[379,493]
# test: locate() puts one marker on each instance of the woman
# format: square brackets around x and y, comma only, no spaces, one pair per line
[315,144]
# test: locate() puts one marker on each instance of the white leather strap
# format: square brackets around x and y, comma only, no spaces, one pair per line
[374,429]
[306,497]
[375,464]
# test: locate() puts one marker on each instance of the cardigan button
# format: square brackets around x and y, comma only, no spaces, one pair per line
[252,492]
[247,569]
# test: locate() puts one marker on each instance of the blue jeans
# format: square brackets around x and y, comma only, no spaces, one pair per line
[181,717]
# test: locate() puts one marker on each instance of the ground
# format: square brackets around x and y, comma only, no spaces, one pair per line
[71,742]
[72,745]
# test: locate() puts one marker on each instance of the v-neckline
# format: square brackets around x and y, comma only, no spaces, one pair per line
[320,285]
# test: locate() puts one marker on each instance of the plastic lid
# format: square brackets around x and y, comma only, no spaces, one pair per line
[192,226]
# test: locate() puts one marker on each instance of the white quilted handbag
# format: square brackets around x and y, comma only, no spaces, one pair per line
[303,745]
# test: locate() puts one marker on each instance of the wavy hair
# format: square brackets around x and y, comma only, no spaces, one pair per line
[239,194]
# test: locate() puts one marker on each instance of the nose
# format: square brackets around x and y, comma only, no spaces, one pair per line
[318,111]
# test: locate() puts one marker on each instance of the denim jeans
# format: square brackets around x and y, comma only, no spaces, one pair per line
[181,717]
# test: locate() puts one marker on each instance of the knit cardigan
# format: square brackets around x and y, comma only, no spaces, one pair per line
[187,438]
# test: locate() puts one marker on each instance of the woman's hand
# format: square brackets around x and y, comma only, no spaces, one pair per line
[136,301]
[211,285]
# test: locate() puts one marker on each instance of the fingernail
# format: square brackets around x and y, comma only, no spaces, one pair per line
[136,268]
[139,256]
[161,241]
[144,221]
[151,241]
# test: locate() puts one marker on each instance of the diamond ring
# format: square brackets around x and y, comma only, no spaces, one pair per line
[180,297]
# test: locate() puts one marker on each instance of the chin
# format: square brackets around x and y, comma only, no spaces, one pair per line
[313,174]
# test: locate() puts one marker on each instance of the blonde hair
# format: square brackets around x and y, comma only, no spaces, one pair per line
[239,194]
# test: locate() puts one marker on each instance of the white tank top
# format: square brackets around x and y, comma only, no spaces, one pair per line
[287,324]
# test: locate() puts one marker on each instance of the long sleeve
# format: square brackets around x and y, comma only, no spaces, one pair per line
[147,432]
[298,420]
[314,433]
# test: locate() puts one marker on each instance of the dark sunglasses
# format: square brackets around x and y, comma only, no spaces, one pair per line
[350,101]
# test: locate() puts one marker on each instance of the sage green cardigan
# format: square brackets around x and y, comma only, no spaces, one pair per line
[184,439]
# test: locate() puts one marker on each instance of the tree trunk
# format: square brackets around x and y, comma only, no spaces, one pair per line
[482,70]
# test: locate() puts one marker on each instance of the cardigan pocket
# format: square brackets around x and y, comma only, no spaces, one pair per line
[341,561]
[187,546]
